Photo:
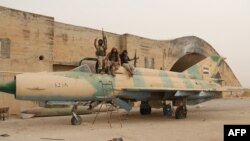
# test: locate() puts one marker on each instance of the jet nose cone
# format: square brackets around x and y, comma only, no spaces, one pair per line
[9,87]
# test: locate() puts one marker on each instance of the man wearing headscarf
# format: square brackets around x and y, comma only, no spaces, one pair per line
[101,48]
[113,61]
[125,61]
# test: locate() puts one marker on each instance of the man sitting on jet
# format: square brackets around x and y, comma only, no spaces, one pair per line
[124,61]
[113,61]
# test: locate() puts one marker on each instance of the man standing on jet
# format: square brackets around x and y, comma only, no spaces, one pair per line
[101,48]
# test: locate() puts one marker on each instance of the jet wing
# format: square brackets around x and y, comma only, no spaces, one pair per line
[194,96]
[164,89]
[159,89]
[144,94]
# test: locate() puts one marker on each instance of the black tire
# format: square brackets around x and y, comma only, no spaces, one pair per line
[167,110]
[145,108]
[181,112]
[74,121]
[145,111]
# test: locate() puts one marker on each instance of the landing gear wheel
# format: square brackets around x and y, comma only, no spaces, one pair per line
[145,111]
[76,121]
[167,110]
[145,108]
[181,112]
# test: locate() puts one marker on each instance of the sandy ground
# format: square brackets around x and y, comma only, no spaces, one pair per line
[204,122]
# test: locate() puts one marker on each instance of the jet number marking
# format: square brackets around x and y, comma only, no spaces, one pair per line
[61,84]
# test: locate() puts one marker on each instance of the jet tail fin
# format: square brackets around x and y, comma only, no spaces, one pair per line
[207,68]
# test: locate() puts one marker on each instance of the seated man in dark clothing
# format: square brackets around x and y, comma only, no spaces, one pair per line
[124,61]
[113,61]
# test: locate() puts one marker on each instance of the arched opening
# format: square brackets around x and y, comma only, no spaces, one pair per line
[187,61]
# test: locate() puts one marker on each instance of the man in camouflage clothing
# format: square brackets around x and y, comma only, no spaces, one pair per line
[101,47]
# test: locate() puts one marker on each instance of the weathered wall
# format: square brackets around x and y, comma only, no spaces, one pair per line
[71,43]
[149,51]
[29,36]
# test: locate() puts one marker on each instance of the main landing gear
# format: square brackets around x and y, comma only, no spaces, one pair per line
[167,110]
[145,108]
[180,112]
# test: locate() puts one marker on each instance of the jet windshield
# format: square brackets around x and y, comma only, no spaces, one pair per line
[82,68]
[92,64]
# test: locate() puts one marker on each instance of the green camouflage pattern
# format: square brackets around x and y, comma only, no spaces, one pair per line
[84,84]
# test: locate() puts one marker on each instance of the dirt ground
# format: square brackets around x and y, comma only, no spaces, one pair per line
[204,123]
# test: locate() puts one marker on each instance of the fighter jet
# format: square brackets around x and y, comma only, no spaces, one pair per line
[152,88]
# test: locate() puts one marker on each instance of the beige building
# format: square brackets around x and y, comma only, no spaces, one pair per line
[31,43]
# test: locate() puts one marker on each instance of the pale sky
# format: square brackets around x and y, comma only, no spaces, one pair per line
[225,24]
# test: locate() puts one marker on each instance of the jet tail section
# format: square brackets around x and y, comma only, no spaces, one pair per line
[205,69]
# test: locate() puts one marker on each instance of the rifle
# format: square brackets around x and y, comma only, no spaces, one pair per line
[135,59]
[103,35]
[104,39]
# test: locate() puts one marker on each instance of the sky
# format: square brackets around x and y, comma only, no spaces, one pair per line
[224,24]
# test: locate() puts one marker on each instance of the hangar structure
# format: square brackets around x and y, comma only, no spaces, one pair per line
[31,43]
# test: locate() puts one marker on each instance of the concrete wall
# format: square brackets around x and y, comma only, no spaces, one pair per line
[71,43]
[30,36]
[149,51]
[27,36]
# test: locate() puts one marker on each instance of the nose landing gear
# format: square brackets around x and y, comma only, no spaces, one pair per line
[76,119]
